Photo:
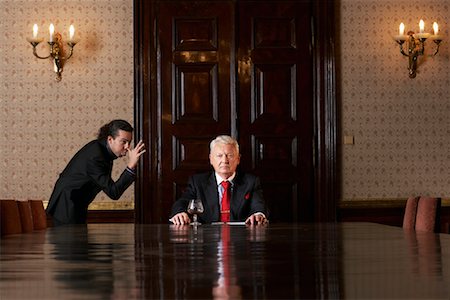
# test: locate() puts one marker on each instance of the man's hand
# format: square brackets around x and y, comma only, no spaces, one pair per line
[180,219]
[256,219]
[134,154]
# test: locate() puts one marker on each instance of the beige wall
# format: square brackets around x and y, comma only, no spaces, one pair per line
[42,122]
[401,126]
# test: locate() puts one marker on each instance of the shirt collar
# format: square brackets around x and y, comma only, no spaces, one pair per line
[111,154]
[220,179]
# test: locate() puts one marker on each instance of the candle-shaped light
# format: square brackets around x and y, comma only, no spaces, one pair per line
[435,28]
[35,31]
[71,33]
[421,26]
[401,29]
[51,28]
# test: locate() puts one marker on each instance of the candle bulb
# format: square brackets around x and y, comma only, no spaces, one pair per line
[401,29]
[71,32]
[435,28]
[401,37]
[51,28]
[34,40]
[35,31]
[421,26]
[422,35]
[435,36]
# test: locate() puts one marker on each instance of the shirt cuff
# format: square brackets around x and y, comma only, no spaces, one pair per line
[131,171]
[261,214]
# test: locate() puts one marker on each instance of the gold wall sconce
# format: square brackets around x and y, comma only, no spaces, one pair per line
[415,43]
[56,47]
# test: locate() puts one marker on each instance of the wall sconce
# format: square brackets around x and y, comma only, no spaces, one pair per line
[56,47]
[416,44]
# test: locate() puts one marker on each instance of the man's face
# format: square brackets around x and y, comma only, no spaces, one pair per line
[224,158]
[121,143]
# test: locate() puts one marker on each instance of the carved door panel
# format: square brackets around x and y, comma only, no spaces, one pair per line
[275,104]
[227,67]
[195,40]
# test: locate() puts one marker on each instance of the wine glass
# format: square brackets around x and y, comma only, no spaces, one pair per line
[195,207]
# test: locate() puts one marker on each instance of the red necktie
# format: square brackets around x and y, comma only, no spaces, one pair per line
[225,208]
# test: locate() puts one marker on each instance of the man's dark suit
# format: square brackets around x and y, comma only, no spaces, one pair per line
[247,197]
[87,173]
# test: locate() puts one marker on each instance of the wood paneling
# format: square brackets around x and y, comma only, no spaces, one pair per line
[194,42]
[258,70]
[275,104]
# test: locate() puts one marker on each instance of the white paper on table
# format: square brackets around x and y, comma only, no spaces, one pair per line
[228,223]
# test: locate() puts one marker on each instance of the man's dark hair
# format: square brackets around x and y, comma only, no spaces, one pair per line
[112,128]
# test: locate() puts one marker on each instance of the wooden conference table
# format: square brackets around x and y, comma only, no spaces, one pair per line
[279,261]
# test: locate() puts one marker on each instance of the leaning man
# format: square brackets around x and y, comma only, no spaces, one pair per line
[89,172]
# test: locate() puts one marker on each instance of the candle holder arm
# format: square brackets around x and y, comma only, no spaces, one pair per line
[438,44]
[71,45]
[35,44]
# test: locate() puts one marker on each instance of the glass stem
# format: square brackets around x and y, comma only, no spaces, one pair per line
[195,218]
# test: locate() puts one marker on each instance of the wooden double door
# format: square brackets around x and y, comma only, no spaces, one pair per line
[243,68]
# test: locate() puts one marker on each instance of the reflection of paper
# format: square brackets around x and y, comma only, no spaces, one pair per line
[228,223]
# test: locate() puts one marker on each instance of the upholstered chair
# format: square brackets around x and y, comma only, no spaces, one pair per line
[409,217]
[39,215]
[10,217]
[428,214]
[26,217]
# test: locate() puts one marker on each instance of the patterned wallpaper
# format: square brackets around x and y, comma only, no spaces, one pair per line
[401,126]
[43,122]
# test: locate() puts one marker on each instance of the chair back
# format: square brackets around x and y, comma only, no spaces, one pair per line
[409,217]
[428,214]
[39,215]
[10,217]
[26,217]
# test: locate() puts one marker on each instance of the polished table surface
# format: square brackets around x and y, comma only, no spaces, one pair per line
[278,261]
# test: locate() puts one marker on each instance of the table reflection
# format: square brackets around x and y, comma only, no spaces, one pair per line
[277,261]
[213,261]
[231,261]
[424,252]
[89,262]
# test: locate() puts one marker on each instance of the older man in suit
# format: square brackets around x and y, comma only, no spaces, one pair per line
[89,172]
[227,195]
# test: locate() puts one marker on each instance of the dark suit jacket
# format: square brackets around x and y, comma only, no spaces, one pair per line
[246,199]
[87,173]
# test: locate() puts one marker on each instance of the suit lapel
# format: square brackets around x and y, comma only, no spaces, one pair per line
[212,197]
[237,199]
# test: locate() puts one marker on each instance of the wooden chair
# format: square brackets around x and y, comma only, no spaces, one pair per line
[10,217]
[409,218]
[39,215]
[26,217]
[428,214]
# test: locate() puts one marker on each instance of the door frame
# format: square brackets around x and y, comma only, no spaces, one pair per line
[146,124]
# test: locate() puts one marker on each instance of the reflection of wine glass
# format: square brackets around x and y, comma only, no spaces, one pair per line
[195,207]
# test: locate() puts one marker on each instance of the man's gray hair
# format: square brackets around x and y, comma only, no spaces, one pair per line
[224,140]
